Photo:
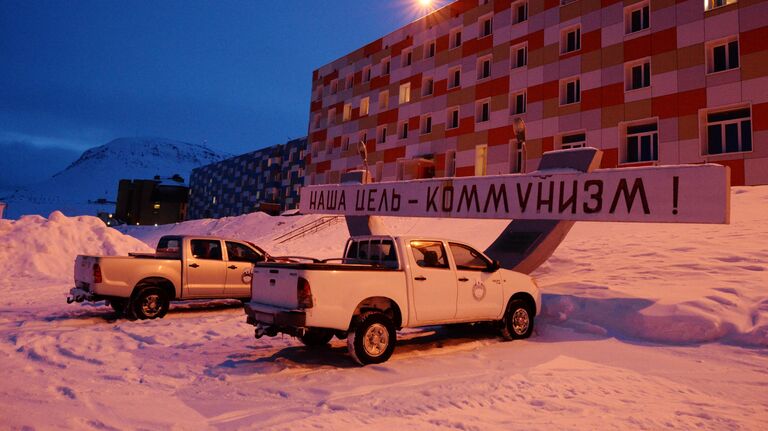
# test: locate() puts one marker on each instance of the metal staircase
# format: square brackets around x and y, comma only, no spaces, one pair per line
[316,225]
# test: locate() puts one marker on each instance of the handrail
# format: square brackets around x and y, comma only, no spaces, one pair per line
[311,227]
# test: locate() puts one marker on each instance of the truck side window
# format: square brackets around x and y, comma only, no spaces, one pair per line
[467,258]
[352,251]
[241,253]
[429,254]
[206,249]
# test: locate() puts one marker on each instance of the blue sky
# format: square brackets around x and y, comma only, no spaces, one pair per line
[233,74]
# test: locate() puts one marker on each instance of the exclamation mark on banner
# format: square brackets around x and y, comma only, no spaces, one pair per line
[675,184]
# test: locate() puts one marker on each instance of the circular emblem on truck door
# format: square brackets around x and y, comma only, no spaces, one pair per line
[247,276]
[478,290]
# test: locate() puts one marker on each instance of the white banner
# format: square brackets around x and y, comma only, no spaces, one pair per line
[670,194]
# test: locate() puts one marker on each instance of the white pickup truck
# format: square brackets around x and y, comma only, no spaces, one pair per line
[141,285]
[384,283]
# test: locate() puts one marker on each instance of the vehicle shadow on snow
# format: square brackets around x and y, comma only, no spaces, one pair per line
[105,312]
[335,355]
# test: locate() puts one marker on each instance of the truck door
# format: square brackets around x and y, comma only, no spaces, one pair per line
[433,281]
[206,269]
[479,290]
[240,260]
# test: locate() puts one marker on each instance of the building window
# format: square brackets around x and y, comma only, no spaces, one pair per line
[332,116]
[723,55]
[519,12]
[570,40]
[430,49]
[386,65]
[347,113]
[482,110]
[315,148]
[519,55]
[454,77]
[714,4]
[426,124]
[450,163]
[364,105]
[455,38]
[317,93]
[427,87]
[382,134]
[405,93]
[345,143]
[637,75]
[383,100]
[642,142]
[328,147]
[316,121]
[453,118]
[366,73]
[403,130]
[570,91]
[486,26]
[729,131]
[637,17]
[484,67]
[518,103]
[350,80]
[406,58]
[573,140]
[334,86]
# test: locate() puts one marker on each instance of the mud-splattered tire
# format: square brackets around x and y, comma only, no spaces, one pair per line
[150,303]
[316,337]
[371,340]
[518,320]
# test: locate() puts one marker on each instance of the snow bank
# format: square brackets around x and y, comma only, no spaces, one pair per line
[45,249]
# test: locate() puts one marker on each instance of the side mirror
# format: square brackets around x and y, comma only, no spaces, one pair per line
[493,266]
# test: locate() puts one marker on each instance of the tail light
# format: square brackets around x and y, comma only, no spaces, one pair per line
[304,293]
[96,273]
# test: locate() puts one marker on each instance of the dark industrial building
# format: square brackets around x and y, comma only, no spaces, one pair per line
[266,180]
[148,202]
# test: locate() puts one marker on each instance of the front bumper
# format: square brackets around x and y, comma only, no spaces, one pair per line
[270,320]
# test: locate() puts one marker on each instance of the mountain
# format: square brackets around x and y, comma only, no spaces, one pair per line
[96,174]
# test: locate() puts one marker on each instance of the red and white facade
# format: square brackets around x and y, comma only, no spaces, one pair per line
[648,82]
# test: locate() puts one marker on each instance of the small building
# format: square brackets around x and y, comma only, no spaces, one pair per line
[155,201]
[265,180]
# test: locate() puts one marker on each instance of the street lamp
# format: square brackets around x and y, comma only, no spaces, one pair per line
[363,151]
[519,127]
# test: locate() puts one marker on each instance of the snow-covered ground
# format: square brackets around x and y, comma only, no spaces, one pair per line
[645,326]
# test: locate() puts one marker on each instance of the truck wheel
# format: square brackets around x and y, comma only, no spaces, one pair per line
[518,320]
[316,337]
[372,339]
[150,303]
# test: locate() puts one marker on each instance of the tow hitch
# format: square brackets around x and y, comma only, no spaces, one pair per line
[77,295]
[262,330]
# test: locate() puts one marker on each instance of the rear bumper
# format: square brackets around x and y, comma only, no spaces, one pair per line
[273,316]
[77,294]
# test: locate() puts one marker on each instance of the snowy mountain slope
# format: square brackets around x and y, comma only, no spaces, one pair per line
[645,326]
[96,174]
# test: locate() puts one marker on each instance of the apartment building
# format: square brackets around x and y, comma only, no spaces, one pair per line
[266,180]
[647,81]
